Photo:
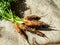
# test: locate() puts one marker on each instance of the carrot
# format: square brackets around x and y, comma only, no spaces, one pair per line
[19,31]
[16,27]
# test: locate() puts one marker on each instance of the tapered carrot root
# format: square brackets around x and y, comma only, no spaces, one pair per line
[16,27]
[32,30]
[33,17]
[22,33]
[19,30]
[34,23]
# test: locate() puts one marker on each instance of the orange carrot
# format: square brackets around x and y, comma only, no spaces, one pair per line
[16,27]
[19,31]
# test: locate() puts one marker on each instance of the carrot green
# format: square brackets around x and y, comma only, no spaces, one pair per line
[6,12]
